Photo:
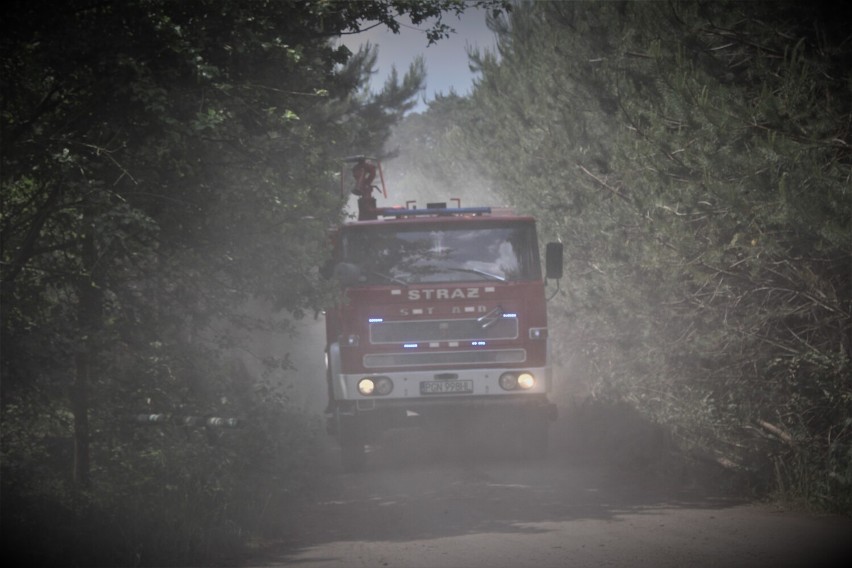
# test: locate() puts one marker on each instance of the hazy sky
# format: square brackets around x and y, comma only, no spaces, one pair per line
[446,61]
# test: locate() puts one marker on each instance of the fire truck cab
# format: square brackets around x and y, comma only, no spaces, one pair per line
[441,321]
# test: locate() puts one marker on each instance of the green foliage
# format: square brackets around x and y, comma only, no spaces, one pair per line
[695,160]
[163,494]
[164,164]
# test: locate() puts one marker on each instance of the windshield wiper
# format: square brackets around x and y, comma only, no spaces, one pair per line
[389,278]
[476,271]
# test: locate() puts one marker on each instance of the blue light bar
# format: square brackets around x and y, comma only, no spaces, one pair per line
[375,320]
[410,345]
[389,212]
[478,343]
[510,315]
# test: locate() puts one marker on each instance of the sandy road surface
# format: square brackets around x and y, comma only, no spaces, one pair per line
[412,507]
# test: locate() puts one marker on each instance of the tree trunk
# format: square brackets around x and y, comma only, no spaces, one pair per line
[80,408]
[89,318]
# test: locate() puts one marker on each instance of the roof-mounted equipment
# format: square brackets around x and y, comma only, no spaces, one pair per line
[364,172]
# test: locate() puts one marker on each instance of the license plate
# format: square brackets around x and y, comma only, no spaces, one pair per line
[446,387]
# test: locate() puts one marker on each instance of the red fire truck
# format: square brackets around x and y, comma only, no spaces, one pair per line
[441,322]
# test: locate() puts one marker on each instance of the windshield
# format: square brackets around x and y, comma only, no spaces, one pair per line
[442,253]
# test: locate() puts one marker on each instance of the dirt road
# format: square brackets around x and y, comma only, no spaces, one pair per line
[417,506]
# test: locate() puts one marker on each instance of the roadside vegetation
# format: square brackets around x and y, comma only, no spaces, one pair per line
[696,161]
[166,165]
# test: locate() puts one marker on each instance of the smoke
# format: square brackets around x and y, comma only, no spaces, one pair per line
[281,352]
[422,172]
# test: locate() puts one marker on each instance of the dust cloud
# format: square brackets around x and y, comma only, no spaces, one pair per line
[283,352]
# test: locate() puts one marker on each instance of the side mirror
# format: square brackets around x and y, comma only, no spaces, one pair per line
[553,261]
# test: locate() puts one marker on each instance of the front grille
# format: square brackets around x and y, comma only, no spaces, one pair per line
[415,359]
[442,330]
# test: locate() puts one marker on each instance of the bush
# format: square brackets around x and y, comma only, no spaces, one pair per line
[161,494]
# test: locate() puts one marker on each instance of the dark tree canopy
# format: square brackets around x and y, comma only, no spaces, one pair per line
[164,166]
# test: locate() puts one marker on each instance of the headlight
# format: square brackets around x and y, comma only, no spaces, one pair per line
[384,386]
[526,381]
[513,381]
[366,386]
[370,386]
[508,381]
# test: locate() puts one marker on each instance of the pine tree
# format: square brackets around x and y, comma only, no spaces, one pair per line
[695,160]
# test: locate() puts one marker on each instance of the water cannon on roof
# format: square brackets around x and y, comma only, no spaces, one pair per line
[364,171]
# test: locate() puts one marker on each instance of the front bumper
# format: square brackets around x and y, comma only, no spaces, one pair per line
[484,383]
